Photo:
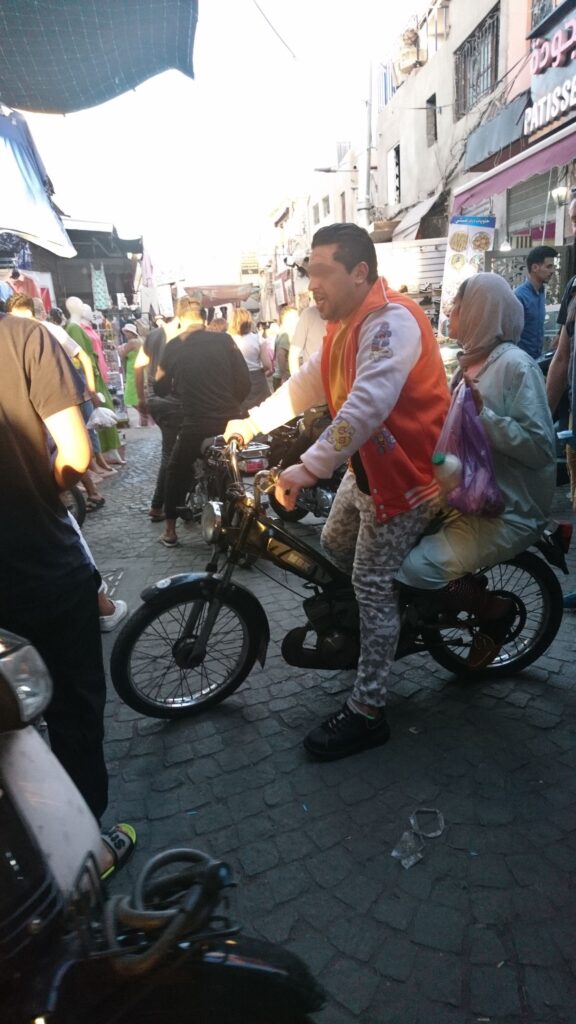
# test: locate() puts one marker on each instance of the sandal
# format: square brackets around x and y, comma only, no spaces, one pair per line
[120,840]
[94,503]
[169,543]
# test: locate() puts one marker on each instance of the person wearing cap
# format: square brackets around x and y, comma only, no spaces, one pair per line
[129,353]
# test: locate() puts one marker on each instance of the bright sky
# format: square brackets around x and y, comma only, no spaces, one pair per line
[197,166]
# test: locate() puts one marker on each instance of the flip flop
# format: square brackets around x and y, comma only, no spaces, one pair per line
[120,840]
[169,543]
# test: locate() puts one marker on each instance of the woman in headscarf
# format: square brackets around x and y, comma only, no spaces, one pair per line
[510,396]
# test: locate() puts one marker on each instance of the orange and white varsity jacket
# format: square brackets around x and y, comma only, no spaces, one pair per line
[383,378]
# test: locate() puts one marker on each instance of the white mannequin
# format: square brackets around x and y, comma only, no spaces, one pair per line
[87,314]
[74,305]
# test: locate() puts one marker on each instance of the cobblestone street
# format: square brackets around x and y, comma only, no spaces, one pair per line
[483,927]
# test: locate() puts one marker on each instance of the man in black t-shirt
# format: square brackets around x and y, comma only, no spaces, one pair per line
[208,373]
[48,585]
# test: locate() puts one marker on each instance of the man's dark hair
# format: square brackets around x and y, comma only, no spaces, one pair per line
[539,254]
[19,301]
[354,246]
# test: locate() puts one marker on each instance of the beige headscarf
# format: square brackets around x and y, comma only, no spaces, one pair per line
[490,313]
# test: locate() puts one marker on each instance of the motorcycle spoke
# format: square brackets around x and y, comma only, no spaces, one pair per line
[157,675]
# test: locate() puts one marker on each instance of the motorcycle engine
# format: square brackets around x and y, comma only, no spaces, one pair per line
[333,611]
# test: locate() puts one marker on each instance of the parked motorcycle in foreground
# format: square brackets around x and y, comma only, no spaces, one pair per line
[69,952]
[197,636]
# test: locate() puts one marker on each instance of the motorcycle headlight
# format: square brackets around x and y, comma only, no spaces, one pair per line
[211,522]
[25,684]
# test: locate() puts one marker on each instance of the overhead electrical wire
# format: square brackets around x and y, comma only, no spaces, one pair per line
[275,30]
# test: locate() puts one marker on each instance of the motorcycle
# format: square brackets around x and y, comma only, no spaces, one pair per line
[73,501]
[287,443]
[212,478]
[197,636]
[69,951]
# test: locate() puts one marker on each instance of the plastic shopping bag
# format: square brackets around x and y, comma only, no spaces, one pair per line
[102,418]
[463,435]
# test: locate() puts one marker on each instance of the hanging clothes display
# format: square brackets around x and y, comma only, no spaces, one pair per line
[25,285]
[100,291]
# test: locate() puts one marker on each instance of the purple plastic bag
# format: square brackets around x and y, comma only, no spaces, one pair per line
[463,435]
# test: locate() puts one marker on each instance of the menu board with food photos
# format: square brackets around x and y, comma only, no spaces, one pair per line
[468,240]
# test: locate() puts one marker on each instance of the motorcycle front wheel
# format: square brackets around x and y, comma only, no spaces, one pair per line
[537,597]
[149,660]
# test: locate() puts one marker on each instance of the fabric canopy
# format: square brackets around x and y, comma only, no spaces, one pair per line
[555,151]
[410,224]
[67,55]
[25,207]
[220,294]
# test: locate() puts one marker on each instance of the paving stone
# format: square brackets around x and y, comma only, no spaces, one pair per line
[439,977]
[526,868]
[360,892]
[395,910]
[351,984]
[490,906]
[489,869]
[549,988]
[288,881]
[314,950]
[535,946]
[330,831]
[494,991]
[396,958]
[356,937]
[441,929]
[330,868]
[277,926]
[258,857]
[485,947]
[451,893]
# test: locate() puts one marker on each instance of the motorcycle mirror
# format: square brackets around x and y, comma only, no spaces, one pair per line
[25,683]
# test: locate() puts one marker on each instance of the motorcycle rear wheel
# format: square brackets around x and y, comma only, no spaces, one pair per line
[146,675]
[538,598]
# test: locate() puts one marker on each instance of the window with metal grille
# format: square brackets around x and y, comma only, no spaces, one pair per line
[316,213]
[343,207]
[540,10]
[326,206]
[476,64]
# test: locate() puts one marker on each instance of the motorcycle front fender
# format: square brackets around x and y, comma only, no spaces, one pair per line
[192,585]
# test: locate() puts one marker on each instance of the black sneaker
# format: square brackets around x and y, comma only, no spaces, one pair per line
[346,732]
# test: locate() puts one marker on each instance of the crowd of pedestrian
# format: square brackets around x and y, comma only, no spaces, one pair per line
[371,355]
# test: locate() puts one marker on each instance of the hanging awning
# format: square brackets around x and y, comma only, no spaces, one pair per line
[65,55]
[25,207]
[220,294]
[409,226]
[554,151]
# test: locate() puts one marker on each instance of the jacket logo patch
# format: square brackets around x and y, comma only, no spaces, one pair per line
[383,440]
[340,434]
[380,344]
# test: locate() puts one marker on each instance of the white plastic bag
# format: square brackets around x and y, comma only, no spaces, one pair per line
[101,418]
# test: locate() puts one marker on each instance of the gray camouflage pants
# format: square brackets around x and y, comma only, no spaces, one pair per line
[372,552]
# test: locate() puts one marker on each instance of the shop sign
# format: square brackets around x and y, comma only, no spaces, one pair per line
[554,52]
[554,104]
[469,238]
[553,66]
